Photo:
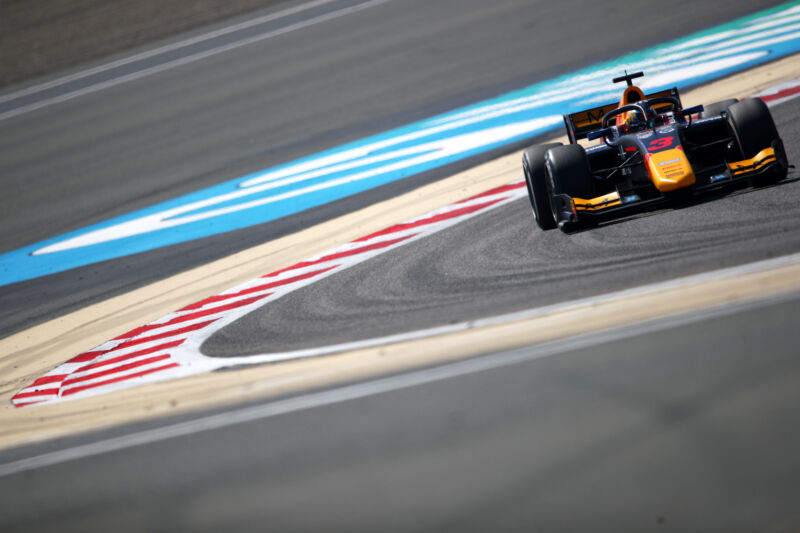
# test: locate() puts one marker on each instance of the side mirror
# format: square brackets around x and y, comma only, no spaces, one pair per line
[592,135]
[692,110]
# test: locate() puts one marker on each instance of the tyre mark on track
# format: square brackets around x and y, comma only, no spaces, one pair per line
[168,348]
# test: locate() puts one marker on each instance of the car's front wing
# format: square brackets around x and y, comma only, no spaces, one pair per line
[571,210]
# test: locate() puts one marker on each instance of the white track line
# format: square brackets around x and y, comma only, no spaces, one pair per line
[727,273]
[190,326]
[161,50]
[780,93]
[179,62]
[376,387]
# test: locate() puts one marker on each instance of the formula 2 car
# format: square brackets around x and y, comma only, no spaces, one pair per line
[652,150]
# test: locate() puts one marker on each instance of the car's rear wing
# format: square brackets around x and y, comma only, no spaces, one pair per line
[581,123]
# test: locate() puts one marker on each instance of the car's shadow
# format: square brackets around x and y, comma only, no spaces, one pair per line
[729,191]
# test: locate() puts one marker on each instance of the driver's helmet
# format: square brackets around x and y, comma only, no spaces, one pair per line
[635,120]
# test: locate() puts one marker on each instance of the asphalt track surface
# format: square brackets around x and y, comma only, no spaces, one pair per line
[500,262]
[688,428]
[142,142]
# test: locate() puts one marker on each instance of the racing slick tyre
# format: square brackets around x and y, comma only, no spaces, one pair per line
[754,130]
[568,172]
[715,109]
[533,166]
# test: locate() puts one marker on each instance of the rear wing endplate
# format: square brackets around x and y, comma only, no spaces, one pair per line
[581,123]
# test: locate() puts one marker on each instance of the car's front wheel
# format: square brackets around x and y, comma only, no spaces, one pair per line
[568,172]
[754,130]
[533,167]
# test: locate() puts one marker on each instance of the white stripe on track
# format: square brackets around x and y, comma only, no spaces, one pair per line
[285,281]
[161,50]
[97,376]
[191,58]
[374,387]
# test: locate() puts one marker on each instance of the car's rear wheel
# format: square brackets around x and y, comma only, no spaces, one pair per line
[715,109]
[568,172]
[754,130]
[533,166]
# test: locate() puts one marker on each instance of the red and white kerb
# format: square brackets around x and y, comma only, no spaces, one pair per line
[169,347]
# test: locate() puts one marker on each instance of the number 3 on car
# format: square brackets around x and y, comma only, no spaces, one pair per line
[652,150]
[660,144]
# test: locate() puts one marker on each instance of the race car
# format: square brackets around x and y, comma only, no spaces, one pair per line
[652,150]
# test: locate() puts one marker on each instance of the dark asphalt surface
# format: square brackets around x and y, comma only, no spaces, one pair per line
[146,141]
[501,262]
[692,428]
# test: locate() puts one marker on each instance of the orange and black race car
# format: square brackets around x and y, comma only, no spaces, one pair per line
[653,150]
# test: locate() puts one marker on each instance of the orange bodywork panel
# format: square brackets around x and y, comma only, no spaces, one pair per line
[593,204]
[631,95]
[670,170]
[590,118]
[762,158]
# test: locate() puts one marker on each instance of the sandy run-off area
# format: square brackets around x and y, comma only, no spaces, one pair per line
[30,353]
